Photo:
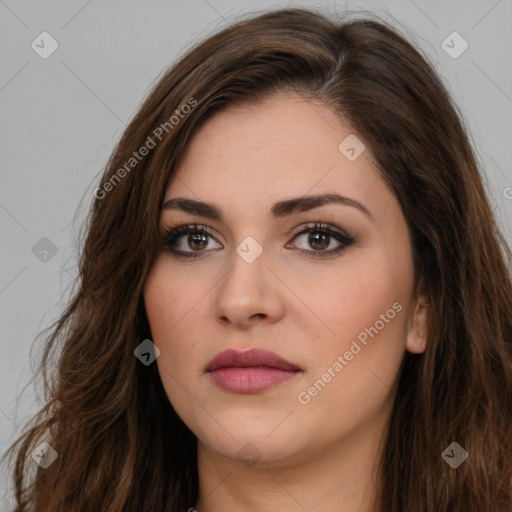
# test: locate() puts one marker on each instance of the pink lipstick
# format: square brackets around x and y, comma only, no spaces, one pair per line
[251,371]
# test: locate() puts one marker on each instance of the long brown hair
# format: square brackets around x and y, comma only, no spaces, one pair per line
[121,446]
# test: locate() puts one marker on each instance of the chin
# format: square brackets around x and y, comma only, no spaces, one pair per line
[252,450]
[254,440]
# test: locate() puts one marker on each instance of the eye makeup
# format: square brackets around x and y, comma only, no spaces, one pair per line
[319,234]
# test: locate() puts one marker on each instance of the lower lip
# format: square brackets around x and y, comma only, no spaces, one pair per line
[250,380]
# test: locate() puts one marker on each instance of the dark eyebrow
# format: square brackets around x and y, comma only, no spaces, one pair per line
[280,209]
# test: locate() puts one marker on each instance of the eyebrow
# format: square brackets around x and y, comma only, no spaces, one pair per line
[279,209]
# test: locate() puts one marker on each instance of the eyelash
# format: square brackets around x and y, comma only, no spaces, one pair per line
[172,235]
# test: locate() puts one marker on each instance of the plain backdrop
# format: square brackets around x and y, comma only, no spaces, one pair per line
[62,115]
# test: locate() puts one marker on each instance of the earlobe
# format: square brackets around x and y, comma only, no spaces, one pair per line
[417,334]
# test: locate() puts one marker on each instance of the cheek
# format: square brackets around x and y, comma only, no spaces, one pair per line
[167,299]
[352,377]
[363,306]
[175,316]
[165,313]
[353,297]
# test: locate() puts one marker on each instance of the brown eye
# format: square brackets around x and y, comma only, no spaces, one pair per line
[322,236]
[318,240]
[195,243]
[198,241]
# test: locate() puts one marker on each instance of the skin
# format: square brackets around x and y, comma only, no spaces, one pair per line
[314,456]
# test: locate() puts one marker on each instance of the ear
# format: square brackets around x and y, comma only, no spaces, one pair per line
[417,333]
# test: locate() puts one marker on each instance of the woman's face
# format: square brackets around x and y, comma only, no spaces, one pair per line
[334,300]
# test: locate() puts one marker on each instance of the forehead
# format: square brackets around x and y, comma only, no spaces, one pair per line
[282,146]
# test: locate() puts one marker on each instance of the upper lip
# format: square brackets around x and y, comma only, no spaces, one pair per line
[247,358]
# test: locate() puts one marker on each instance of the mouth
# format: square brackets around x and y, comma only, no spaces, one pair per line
[249,372]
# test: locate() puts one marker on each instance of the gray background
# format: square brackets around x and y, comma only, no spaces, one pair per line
[61,117]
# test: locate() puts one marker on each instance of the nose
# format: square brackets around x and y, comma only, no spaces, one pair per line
[249,293]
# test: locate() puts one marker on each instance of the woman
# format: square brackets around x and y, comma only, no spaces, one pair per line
[293,295]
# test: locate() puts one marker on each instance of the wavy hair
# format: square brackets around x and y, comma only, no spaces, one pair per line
[121,446]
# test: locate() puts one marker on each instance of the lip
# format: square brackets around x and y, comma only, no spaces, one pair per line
[250,371]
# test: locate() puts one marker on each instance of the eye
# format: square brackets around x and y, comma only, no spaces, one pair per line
[322,236]
[319,236]
[197,240]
